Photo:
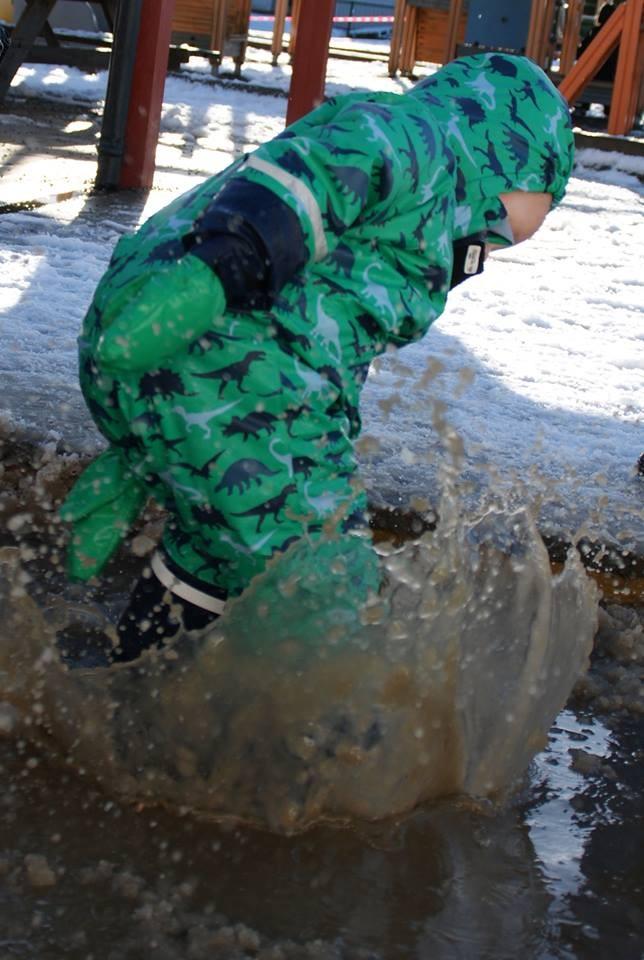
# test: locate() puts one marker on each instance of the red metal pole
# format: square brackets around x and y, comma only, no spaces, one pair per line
[310,57]
[144,115]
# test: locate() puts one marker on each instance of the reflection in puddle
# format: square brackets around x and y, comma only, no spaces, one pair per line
[83,875]
[586,821]
[556,830]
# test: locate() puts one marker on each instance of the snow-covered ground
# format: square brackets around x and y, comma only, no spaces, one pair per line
[537,366]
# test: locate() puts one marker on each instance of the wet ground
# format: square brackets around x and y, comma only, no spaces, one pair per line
[556,874]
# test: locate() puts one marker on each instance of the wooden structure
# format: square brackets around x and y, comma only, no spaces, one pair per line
[434,31]
[538,46]
[571,37]
[216,27]
[281,11]
[33,28]
[624,28]
[426,32]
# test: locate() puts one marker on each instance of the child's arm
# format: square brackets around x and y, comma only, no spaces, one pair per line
[289,205]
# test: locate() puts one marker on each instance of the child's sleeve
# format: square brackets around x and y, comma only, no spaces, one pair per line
[295,197]
[324,177]
[289,204]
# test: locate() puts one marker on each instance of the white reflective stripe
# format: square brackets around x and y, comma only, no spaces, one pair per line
[300,190]
[184,590]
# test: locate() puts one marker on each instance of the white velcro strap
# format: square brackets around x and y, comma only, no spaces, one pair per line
[184,590]
[300,190]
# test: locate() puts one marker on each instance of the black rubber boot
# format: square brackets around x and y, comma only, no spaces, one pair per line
[153,616]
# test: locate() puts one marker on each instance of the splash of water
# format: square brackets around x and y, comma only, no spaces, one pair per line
[300,705]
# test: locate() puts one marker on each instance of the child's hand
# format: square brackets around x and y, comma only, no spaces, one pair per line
[176,305]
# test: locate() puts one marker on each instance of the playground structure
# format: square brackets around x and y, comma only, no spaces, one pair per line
[547,31]
[436,30]
[217,26]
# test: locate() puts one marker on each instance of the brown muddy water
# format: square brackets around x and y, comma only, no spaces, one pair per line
[244,796]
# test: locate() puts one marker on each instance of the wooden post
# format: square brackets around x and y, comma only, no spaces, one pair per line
[408,53]
[295,16]
[629,68]
[546,47]
[310,58]
[396,37]
[535,30]
[540,24]
[595,54]
[148,81]
[571,36]
[218,28]
[453,23]
[281,6]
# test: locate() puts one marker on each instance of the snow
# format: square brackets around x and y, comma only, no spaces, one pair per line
[529,385]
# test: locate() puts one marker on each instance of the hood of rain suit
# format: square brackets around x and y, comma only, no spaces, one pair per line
[508,127]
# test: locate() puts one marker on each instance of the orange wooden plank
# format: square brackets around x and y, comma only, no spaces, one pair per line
[281,7]
[594,55]
[571,36]
[396,37]
[535,29]
[453,24]
[629,68]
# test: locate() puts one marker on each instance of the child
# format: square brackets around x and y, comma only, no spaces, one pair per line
[227,344]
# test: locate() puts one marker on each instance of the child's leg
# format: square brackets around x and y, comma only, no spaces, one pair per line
[249,451]
[164,600]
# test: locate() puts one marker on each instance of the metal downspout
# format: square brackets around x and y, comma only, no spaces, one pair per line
[117,99]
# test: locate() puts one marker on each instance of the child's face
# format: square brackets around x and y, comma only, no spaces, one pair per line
[526,211]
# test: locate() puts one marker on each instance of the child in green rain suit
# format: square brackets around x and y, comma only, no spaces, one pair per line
[226,346]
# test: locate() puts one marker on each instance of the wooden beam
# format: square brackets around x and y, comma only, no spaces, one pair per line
[453,23]
[571,37]
[281,6]
[295,17]
[408,50]
[146,100]
[396,37]
[546,46]
[541,14]
[310,58]
[595,54]
[628,74]
[535,30]
[28,28]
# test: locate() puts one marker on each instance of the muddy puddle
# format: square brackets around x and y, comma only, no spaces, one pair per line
[556,873]
[411,779]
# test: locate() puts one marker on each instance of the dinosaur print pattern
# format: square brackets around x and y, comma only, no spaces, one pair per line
[247,435]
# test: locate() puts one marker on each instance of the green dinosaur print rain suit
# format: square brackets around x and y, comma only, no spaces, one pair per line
[246,431]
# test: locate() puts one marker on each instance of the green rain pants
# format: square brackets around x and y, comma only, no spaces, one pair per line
[241,441]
